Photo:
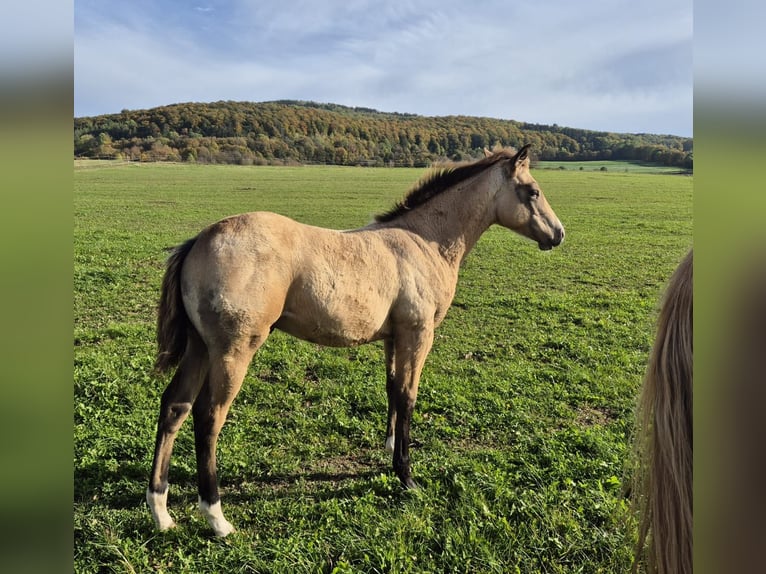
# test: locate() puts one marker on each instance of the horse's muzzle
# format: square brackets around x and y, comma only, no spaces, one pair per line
[550,243]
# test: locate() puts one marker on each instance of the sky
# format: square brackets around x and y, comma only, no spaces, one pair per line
[607,65]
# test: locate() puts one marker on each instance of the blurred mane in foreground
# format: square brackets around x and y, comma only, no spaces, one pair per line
[663,489]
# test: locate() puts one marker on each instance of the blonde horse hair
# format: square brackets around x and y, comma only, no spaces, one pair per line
[663,480]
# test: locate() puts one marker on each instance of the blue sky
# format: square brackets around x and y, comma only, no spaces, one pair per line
[610,65]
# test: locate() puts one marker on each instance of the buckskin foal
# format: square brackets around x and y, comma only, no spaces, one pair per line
[393,280]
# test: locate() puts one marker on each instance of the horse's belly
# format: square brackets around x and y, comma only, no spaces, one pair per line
[337,315]
[335,323]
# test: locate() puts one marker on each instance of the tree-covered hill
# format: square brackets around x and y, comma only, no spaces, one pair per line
[308,132]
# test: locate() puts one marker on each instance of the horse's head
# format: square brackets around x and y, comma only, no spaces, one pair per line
[521,206]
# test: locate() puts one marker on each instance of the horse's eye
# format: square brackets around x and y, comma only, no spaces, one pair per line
[534,193]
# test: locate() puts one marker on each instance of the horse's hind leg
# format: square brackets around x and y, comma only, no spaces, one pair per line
[391,393]
[174,408]
[227,371]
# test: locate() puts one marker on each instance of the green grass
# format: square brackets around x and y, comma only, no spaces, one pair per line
[523,420]
[615,166]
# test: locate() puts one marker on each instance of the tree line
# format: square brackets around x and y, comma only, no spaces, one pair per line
[306,132]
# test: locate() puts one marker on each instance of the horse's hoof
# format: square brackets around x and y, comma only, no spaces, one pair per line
[409,484]
[162,527]
[157,502]
[224,529]
[215,518]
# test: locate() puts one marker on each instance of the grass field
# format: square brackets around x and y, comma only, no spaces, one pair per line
[614,166]
[523,420]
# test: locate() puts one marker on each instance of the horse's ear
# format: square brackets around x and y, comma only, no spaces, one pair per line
[487,153]
[522,154]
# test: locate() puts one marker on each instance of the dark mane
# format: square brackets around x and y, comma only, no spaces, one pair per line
[439,179]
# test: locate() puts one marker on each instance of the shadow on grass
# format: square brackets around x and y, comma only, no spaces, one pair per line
[320,485]
[124,487]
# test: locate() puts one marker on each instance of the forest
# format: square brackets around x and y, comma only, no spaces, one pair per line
[297,132]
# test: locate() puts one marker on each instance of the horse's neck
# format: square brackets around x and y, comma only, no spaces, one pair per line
[455,219]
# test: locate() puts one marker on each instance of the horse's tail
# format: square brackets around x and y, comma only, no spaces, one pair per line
[172,321]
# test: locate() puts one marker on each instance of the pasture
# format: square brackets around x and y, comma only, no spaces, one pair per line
[610,165]
[524,416]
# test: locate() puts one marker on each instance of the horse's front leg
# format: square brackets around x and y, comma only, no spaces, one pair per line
[388,346]
[410,351]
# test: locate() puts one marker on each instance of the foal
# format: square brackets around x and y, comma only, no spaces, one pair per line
[393,280]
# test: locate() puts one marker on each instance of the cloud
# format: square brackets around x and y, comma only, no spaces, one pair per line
[554,62]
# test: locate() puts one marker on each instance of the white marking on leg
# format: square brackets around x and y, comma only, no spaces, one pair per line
[158,504]
[214,516]
[390,444]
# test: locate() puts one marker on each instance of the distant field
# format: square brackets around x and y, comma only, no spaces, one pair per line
[614,166]
[524,415]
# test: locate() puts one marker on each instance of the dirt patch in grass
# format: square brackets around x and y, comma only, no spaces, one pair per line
[588,416]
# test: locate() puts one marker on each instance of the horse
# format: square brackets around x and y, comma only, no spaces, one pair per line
[393,280]
[662,492]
